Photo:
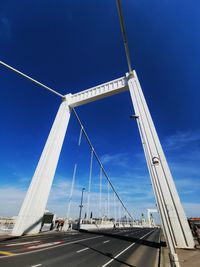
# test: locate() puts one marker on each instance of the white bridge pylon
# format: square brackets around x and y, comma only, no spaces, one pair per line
[173,218]
[149,213]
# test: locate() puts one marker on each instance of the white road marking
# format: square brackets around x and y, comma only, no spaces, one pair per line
[60,245]
[45,245]
[106,241]
[20,244]
[78,251]
[117,255]
[107,263]
[37,265]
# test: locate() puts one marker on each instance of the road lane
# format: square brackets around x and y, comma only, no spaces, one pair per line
[94,249]
[117,257]
[18,245]
[47,246]
[142,254]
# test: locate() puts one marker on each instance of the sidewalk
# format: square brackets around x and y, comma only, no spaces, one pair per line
[187,257]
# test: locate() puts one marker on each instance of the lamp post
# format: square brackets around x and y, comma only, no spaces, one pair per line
[81,206]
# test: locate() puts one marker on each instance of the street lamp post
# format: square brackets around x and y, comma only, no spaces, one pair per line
[81,206]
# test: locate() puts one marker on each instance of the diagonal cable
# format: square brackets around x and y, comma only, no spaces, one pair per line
[31,79]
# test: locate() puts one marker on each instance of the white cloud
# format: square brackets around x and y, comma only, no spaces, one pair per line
[192,209]
[120,159]
[181,139]
[186,183]
[132,183]
[5,28]
[183,169]
[11,199]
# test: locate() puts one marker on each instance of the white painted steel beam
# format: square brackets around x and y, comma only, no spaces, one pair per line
[33,207]
[99,92]
[173,218]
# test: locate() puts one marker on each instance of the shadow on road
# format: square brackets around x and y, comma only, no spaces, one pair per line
[109,255]
[7,238]
[135,240]
[130,239]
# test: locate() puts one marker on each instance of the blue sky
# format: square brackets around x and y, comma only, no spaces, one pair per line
[73,45]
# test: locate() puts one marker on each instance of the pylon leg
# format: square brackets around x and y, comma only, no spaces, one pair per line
[33,207]
[173,218]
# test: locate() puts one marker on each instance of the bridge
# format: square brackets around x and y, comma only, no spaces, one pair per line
[114,218]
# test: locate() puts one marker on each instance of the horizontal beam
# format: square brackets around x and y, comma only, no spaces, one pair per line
[98,92]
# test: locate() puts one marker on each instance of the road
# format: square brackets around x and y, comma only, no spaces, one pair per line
[135,247]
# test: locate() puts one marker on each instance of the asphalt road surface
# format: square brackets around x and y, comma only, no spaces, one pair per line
[133,247]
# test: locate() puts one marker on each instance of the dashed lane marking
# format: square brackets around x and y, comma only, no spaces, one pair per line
[7,253]
[106,241]
[20,244]
[117,255]
[78,251]
[52,247]
[37,265]
[107,263]
[45,245]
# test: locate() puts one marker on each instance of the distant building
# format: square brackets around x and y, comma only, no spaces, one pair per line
[195,227]
[7,223]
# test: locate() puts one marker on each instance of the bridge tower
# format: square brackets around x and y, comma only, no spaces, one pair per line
[173,218]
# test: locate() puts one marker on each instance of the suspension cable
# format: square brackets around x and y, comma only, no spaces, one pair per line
[90,181]
[31,79]
[108,200]
[80,136]
[99,161]
[122,25]
[114,207]
[100,192]
[72,190]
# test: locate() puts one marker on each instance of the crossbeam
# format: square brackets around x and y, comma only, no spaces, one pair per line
[98,92]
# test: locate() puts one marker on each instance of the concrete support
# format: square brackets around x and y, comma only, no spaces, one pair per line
[33,207]
[172,215]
